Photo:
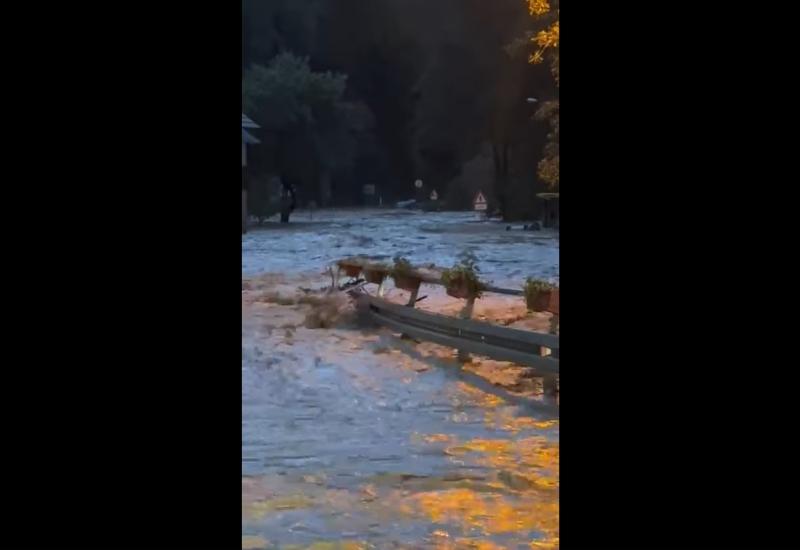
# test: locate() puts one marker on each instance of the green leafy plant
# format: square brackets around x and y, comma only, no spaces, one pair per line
[404,275]
[402,267]
[533,289]
[376,272]
[462,279]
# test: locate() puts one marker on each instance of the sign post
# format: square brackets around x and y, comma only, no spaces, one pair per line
[480,204]
[434,195]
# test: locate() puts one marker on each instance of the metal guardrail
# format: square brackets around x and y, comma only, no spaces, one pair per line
[534,349]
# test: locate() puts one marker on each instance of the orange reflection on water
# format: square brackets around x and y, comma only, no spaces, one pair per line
[479,397]
[523,495]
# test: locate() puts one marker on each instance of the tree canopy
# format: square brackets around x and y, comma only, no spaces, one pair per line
[385,92]
[546,42]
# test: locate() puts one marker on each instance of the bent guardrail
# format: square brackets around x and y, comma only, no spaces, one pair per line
[537,350]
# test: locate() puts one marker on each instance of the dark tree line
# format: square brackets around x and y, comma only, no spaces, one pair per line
[383,92]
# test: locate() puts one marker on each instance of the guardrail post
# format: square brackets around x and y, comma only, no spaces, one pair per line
[466,313]
[550,385]
[554,323]
[412,300]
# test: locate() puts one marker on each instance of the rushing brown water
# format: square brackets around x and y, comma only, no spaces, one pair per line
[353,438]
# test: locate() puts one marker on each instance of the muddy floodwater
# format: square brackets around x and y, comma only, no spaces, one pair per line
[355,438]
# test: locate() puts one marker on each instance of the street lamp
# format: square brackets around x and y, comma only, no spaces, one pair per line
[532,100]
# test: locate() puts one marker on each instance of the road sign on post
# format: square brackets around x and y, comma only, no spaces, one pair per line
[418,184]
[480,204]
[434,195]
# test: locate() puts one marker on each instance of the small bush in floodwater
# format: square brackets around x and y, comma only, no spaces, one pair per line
[325,312]
[537,293]
[462,280]
[402,267]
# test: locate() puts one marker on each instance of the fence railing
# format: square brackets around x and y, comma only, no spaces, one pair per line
[534,349]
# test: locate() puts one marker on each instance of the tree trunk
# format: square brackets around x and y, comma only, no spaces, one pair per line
[288,201]
[500,156]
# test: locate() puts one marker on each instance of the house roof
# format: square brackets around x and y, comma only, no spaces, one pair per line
[247,122]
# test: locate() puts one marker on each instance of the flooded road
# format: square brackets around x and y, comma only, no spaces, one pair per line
[313,240]
[354,438]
